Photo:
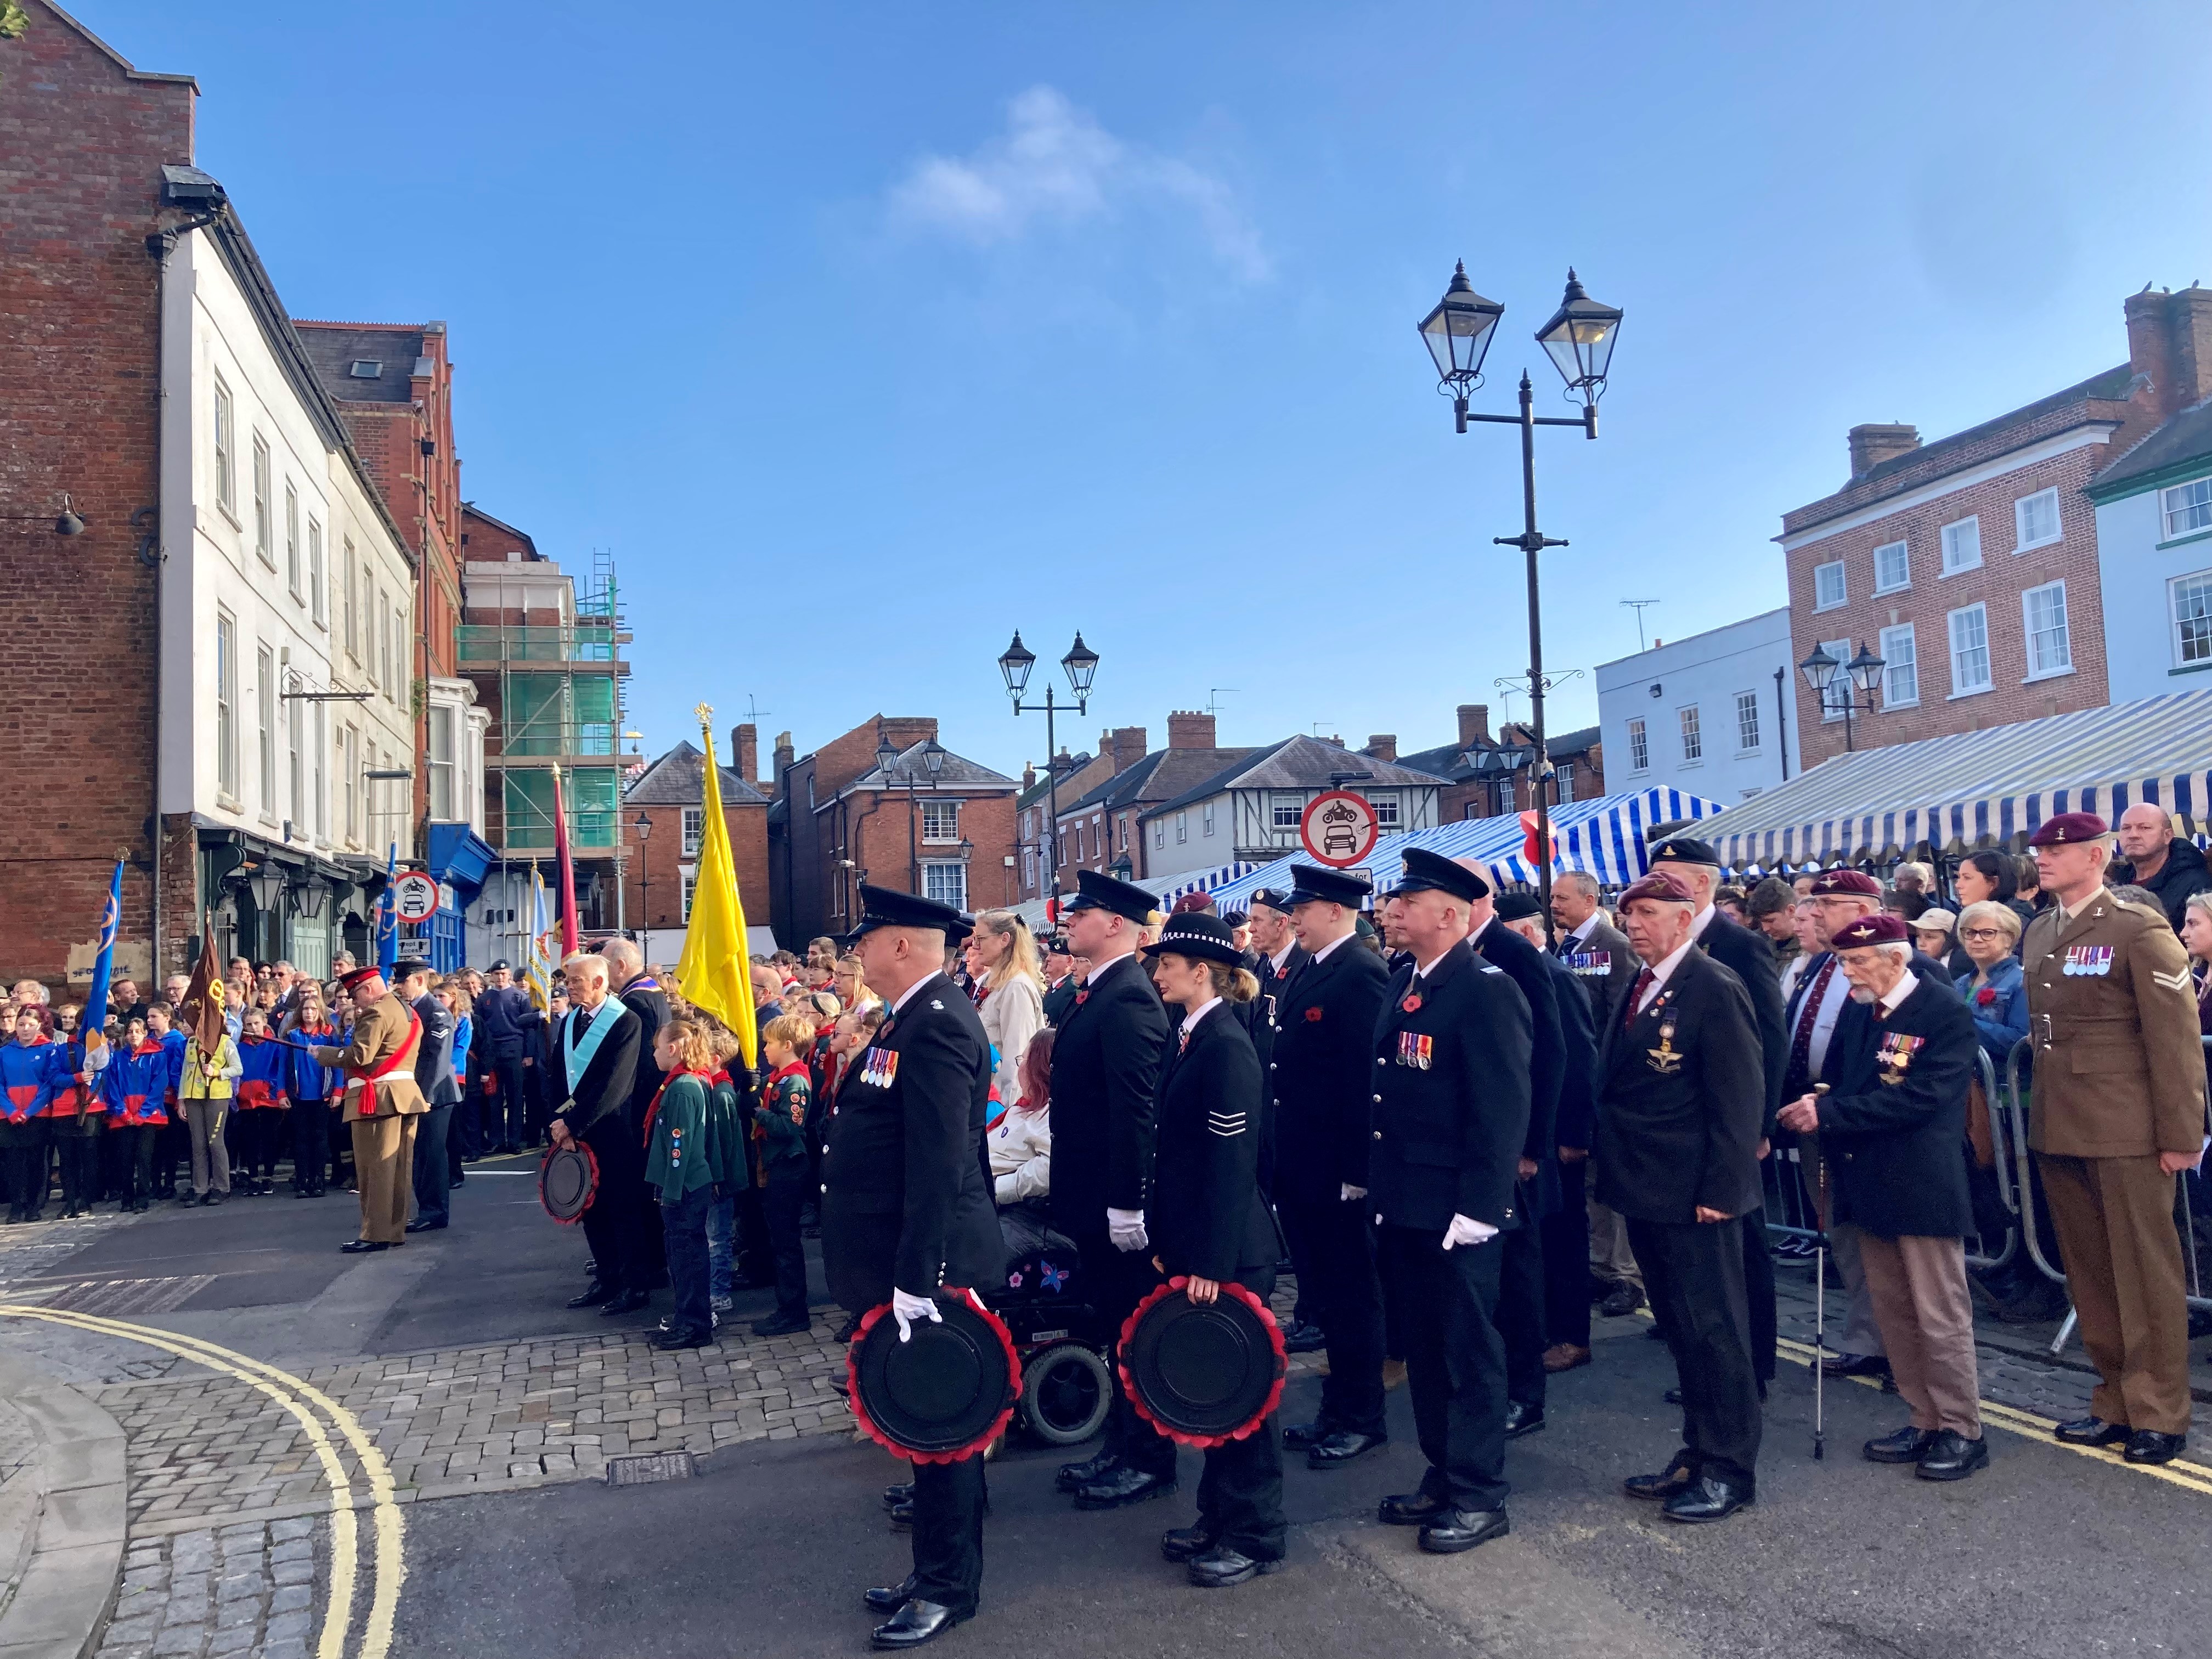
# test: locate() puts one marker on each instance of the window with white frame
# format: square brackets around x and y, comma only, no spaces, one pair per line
[1027,814]
[315,573]
[1386,812]
[940,820]
[1900,675]
[264,534]
[348,746]
[1159,832]
[1693,742]
[1893,566]
[1839,687]
[1746,721]
[1970,650]
[2188,508]
[346,602]
[292,571]
[296,729]
[946,882]
[1962,545]
[1182,828]
[226,704]
[1206,819]
[690,879]
[694,830]
[1029,869]
[1122,832]
[2043,612]
[383,644]
[369,617]
[443,718]
[1828,586]
[1640,747]
[1286,814]
[264,698]
[226,450]
[2192,619]
[2035,520]
[1563,777]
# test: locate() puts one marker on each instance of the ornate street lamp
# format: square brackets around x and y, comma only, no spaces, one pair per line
[1862,678]
[1081,667]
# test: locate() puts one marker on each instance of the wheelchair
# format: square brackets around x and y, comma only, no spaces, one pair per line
[1063,1344]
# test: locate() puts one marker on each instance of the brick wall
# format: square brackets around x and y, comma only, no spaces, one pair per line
[83,141]
[656,865]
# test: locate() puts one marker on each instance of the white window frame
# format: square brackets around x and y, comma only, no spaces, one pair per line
[320,796]
[264,704]
[2201,580]
[1951,621]
[295,733]
[936,833]
[351,631]
[264,509]
[694,830]
[1747,736]
[226,706]
[950,878]
[1159,833]
[315,606]
[1386,812]
[2190,503]
[1902,550]
[443,767]
[1955,537]
[2023,543]
[1822,573]
[1277,809]
[1900,655]
[1639,745]
[1206,819]
[225,450]
[1690,725]
[2062,664]
[292,542]
[1563,777]
[1183,827]
[348,746]
[690,880]
[1832,711]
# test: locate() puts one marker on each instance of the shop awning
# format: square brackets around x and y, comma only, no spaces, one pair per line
[1982,788]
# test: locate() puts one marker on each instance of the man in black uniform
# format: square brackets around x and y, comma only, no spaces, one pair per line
[595,1060]
[434,1076]
[1677,1131]
[1105,1065]
[1450,1114]
[906,1213]
[1317,1078]
[641,995]
[505,1022]
[1277,956]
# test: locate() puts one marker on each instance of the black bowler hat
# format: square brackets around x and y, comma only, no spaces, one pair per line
[1518,906]
[1274,897]
[886,907]
[1203,1374]
[1313,884]
[1425,870]
[1195,934]
[1685,849]
[1099,892]
[940,1397]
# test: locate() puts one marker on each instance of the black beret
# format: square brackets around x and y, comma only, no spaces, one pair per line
[1518,906]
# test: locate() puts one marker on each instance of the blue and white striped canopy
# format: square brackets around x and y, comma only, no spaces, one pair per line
[1983,788]
[1604,835]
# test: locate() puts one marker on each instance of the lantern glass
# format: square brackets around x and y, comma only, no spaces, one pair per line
[1081,663]
[1457,331]
[1579,339]
[1865,671]
[1015,663]
[1819,668]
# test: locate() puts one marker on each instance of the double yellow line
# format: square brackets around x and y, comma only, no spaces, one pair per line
[296,1397]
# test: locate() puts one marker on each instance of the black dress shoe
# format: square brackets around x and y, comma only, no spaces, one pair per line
[1907,1445]
[623,1302]
[1454,1530]
[1221,1566]
[363,1246]
[668,1341]
[1299,1435]
[1304,1338]
[1340,1448]
[1123,1486]
[1409,1509]
[1855,1365]
[2093,1431]
[1952,1456]
[848,1330]
[1186,1543]
[901,1516]
[591,1298]
[1620,1301]
[1709,1498]
[1521,1419]
[419,1225]
[782,1325]
[902,1493]
[2150,1446]
[891,1598]
[917,1622]
[1074,1477]
[1675,1479]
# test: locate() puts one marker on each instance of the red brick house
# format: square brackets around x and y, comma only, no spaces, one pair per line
[659,865]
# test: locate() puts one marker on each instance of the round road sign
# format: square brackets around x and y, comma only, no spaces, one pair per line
[1339,829]
[415,896]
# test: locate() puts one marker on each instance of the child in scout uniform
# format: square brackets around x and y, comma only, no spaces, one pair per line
[27,1091]
[78,1116]
[135,1087]
[780,1147]
[725,1153]
[261,1101]
[680,1172]
[205,1089]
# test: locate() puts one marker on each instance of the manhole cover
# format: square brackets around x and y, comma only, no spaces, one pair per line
[653,1466]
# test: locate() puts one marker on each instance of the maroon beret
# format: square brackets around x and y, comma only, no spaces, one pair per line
[2068,830]
[1857,883]
[1659,884]
[1869,930]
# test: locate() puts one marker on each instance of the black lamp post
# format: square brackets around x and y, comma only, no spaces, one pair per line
[887,763]
[643,826]
[1862,674]
[1081,664]
[1579,339]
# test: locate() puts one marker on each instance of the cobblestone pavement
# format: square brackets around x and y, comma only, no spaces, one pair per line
[250,1588]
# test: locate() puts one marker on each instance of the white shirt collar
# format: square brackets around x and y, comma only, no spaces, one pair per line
[1665,970]
[1702,920]
[1098,967]
[1324,951]
[1190,1020]
[1904,986]
[1422,969]
[1276,961]
[907,995]
[1581,935]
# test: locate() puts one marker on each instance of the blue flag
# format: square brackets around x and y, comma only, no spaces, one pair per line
[387,917]
[103,967]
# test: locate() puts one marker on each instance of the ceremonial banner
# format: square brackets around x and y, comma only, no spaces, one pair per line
[537,963]
[567,867]
[95,995]
[716,972]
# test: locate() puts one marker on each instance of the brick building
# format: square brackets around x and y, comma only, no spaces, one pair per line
[1970,565]
[1099,828]
[1486,777]
[658,866]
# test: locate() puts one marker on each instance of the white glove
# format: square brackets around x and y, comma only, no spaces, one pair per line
[907,1308]
[1347,1192]
[1127,1229]
[1466,1230]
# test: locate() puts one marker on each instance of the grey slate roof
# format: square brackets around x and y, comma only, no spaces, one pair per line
[1299,763]
[957,772]
[1163,773]
[679,778]
[2187,437]
[1455,764]
[334,349]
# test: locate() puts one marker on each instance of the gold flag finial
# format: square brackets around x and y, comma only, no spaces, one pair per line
[705,712]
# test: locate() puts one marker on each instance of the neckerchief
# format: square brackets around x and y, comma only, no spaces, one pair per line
[577,1058]
[654,1110]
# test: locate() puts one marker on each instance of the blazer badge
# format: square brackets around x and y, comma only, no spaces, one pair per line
[1665,1059]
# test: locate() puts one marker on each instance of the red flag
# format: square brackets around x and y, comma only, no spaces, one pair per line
[1531,855]
[567,871]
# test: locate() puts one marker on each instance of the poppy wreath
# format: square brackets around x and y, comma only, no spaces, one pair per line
[591,1192]
[875,1316]
[1203,1442]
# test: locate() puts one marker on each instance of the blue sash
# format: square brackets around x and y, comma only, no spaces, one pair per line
[578,1058]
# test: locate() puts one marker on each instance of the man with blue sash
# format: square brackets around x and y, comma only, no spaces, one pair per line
[597,1046]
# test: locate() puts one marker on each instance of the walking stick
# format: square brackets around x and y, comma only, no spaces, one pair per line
[1820,1298]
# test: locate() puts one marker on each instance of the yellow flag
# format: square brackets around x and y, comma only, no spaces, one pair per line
[716,972]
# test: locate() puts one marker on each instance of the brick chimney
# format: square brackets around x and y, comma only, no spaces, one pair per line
[1873,444]
[1473,724]
[1190,729]
[1028,776]
[1127,744]
[1381,746]
[784,754]
[2170,350]
[745,752]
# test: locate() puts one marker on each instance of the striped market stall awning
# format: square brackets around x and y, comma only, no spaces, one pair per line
[1978,789]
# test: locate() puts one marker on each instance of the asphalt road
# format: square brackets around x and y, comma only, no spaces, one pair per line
[2045,1553]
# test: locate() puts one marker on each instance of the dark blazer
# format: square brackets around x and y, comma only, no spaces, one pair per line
[1603,962]
[904,1203]
[606,1082]
[1749,956]
[1105,1082]
[1061,998]
[1524,965]
[504,1016]
[1892,1147]
[651,1008]
[1264,1025]
[1676,1133]
[1323,1049]
[1577,1119]
[434,1060]
[1448,1134]
[1206,1216]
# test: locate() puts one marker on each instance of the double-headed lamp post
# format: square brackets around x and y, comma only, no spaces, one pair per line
[1081,663]
[1865,674]
[887,763]
[1579,340]
[644,827]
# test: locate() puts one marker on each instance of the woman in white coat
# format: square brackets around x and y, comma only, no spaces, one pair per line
[1002,964]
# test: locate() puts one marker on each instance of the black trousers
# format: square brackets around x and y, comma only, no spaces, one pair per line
[1334,1245]
[1693,1272]
[782,1200]
[1240,1495]
[617,1220]
[77,1140]
[27,1147]
[137,1142]
[507,1111]
[684,1230]
[433,1175]
[311,1145]
[1446,1303]
[1119,1280]
[948,1533]
[1521,1304]
[1567,1260]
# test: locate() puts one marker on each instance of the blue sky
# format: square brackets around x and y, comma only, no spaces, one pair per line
[862,335]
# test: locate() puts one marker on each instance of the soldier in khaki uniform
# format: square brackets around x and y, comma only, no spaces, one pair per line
[382,1101]
[2119,1111]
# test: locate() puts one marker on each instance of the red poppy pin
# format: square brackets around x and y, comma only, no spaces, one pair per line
[1986,995]
[1082,996]
[1411,1004]
[1313,1015]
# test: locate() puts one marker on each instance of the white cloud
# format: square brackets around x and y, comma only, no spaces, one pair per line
[1055,165]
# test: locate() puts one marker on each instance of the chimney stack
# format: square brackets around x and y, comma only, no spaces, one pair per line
[745,752]
[1872,444]
[1381,746]
[2170,350]
[784,754]
[1028,776]
[1127,745]
[1473,724]
[1190,729]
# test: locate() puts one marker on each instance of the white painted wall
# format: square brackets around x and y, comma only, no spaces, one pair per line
[1706,672]
[2142,656]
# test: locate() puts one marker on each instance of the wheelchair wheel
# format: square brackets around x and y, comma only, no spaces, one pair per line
[1065,1394]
